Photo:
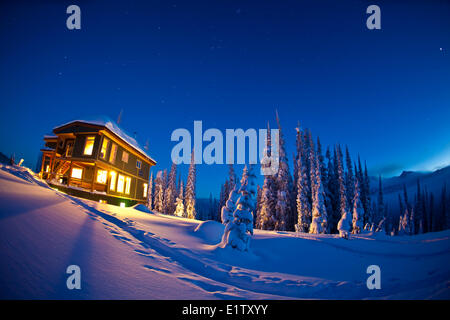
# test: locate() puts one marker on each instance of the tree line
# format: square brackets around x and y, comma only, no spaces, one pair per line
[326,192]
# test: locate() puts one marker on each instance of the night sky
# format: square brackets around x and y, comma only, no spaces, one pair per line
[385,93]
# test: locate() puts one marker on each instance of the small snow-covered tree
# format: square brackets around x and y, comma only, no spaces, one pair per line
[170,191]
[266,217]
[190,190]
[179,210]
[358,210]
[256,220]
[284,186]
[319,211]
[349,178]
[303,208]
[267,209]
[150,192]
[237,231]
[344,223]
[366,184]
[159,192]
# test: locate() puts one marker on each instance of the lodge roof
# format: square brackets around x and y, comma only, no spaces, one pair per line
[112,127]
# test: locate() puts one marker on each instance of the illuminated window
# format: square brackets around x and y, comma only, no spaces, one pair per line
[145,190]
[89,146]
[102,176]
[47,168]
[104,148]
[112,155]
[127,185]
[125,157]
[112,183]
[120,183]
[77,173]
[138,164]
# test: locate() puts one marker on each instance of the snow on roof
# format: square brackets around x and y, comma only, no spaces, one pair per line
[114,128]
[50,136]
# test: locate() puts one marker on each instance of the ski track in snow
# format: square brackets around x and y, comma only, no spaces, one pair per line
[221,280]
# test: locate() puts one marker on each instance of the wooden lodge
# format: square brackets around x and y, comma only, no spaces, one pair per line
[98,161]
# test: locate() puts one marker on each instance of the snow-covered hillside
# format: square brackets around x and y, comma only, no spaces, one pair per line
[432,182]
[127,253]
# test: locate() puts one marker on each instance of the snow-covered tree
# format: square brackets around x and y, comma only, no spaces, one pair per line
[179,210]
[303,208]
[170,191]
[249,179]
[237,232]
[344,223]
[190,190]
[412,225]
[230,206]
[381,209]
[349,178]
[297,155]
[319,211]
[404,227]
[150,192]
[159,192]
[267,209]
[332,191]
[358,210]
[281,209]
[222,197]
[266,216]
[256,222]
[308,149]
[367,210]
[284,187]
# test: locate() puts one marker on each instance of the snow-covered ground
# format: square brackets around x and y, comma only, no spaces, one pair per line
[125,253]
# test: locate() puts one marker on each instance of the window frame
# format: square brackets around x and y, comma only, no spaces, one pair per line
[113,181]
[112,159]
[127,156]
[122,185]
[105,176]
[85,145]
[127,185]
[105,139]
[145,191]
[140,163]
[76,177]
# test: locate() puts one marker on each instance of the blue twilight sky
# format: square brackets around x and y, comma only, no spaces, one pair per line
[385,93]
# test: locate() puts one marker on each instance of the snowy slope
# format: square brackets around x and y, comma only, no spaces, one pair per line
[429,181]
[127,253]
